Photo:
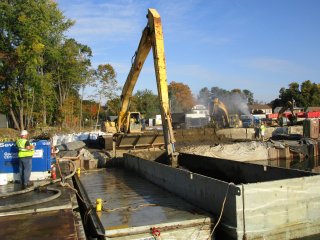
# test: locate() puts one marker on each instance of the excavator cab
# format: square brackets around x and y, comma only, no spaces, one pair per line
[133,123]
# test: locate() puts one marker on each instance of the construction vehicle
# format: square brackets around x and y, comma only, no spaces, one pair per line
[247,121]
[281,119]
[234,121]
[129,131]
[219,113]
[132,123]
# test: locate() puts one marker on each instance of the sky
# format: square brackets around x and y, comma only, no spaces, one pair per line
[259,45]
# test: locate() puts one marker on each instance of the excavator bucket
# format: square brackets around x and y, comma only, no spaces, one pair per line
[142,140]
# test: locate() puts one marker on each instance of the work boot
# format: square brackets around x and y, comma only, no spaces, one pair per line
[28,185]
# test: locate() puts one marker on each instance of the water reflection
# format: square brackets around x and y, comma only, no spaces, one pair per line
[308,163]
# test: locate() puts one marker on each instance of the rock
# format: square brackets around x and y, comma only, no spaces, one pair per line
[62,154]
[85,155]
[101,157]
[76,145]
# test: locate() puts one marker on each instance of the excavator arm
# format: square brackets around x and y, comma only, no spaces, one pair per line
[220,110]
[288,105]
[152,37]
[140,57]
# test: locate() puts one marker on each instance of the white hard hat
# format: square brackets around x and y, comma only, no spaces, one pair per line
[24,133]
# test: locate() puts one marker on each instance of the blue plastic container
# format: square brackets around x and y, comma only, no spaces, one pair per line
[9,161]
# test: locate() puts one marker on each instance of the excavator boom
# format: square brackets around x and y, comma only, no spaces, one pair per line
[152,37]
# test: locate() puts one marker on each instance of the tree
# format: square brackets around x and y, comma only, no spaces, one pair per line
[90,110]
[69,64]
[204,96]
[113,106]
[236,90]
[34,56]
[249,96]
[236,100]
[306,95]
[290,94]
[147,103]
[181,97]
[217,92]
[310,93]
[105,83]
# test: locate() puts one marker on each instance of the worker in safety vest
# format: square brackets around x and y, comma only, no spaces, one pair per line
[262,130]
[26,151]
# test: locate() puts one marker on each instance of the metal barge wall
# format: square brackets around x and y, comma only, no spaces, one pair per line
[264,202]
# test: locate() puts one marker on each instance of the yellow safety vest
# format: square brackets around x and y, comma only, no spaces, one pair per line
[23,151]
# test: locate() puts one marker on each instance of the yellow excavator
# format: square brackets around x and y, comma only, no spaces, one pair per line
[292,118]
[128,123]
[219,113]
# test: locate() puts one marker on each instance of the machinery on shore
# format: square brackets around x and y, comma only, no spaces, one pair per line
[219,113]
[128,123]
[292,117]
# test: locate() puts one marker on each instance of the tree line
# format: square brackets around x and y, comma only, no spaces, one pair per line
[306,94]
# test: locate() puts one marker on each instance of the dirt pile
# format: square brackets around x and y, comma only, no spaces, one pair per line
[241,151]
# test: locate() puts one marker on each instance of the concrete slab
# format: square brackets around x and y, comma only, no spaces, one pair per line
[133,206]
[46,225]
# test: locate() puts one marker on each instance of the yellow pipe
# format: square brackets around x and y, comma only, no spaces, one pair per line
[98,204]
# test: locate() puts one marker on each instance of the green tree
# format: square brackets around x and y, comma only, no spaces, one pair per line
[147,103]
[28,30]
[236,90]
[217,92]
[204,96]
[249,95]
[306,95]
[310,94]
[69,63]
[105,84]
[113,106]
[236,100]
[290,94]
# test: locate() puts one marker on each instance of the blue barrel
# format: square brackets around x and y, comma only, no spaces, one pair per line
[9,162]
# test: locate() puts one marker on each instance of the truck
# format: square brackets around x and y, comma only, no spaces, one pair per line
[247,121]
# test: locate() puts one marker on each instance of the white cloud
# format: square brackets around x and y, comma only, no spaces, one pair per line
[275,65]
[94,20]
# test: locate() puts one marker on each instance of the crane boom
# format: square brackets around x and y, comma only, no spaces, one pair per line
[152,37]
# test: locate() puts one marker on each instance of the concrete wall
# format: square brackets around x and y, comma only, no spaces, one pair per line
[248,133]
[273,207]
[283,209]
[238,133]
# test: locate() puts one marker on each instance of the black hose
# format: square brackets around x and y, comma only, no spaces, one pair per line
[31,203]
[41,185]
